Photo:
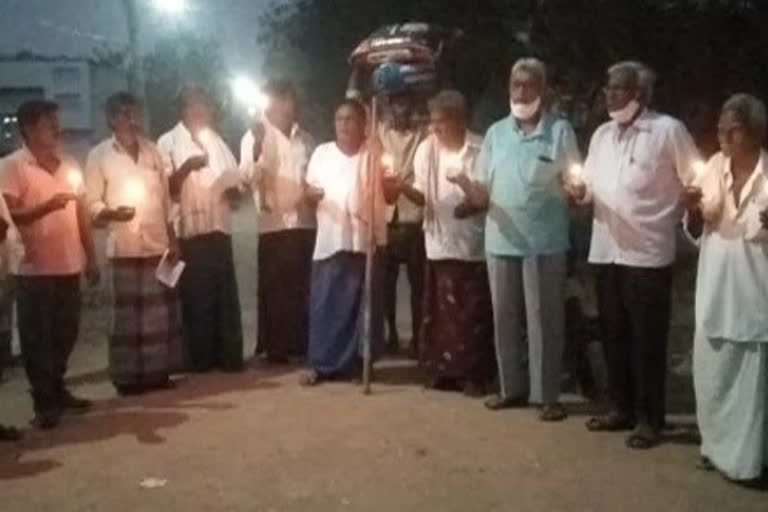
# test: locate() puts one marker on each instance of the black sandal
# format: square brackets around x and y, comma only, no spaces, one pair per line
[9,434]
[704,464]
[612,422]
[642,438]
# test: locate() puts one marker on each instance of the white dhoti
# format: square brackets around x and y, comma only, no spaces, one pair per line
[731,383]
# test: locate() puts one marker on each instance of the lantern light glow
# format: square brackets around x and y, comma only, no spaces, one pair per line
[249,94]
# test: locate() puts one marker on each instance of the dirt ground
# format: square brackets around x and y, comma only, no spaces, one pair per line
[257,442]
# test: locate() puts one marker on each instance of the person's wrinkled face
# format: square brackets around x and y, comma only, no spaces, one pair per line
[126,123]
[198,112]
[445,126]
[619,90]
[732,135]
[46,132]
[283,109]
[349,125]
[402,110]
[524,87]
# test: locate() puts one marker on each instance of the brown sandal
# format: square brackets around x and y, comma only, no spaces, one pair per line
[553,412]
[612,422]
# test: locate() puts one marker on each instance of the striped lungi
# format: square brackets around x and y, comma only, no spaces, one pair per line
[145,342]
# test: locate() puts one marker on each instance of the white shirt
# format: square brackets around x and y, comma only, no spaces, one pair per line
[342,214]
[635,180]
[113,179]
[278,178]
[445,236]
[203,209]
[732,280]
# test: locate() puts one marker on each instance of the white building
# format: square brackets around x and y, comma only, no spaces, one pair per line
[79,87]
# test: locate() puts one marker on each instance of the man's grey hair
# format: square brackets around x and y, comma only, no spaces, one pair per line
[533,66]
[750,112]
[451,102]
[641,75]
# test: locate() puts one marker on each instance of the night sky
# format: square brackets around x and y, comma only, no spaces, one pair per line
[75,27]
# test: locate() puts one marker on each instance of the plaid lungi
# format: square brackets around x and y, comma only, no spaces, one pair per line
[145,342]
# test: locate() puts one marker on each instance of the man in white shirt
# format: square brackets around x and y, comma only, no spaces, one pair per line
[634,175]
[274,154]
[457,342]
[400,137]
[337,184]
[42,187]
[202,173]
[127,189]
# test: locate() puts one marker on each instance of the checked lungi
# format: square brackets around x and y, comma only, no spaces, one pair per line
[145,344]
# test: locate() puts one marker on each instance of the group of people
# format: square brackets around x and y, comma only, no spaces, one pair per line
[482,223]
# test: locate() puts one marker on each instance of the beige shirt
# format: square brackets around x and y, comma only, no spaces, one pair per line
[52,244]
[113,179]
[402,147]
[445,236]
[277,179]
[203,208]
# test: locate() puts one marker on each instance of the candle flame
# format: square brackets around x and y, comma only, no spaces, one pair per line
[699,167]
[387,161]
[134,192]
[75,179]
[576,170]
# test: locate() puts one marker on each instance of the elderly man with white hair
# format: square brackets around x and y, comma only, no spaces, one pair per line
[518,177]
[728,210]
[634,175]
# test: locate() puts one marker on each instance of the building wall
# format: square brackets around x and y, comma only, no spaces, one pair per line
[79,87]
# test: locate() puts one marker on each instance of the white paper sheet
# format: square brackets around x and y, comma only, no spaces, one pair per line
[168,273]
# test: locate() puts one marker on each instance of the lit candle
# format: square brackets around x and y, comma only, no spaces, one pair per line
[699,168]
[575,173]
[134,193]
[75,180]
[388,162]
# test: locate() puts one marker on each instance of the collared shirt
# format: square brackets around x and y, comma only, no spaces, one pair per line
[52,244]
[278,178]
[528,211]
[732,280]
[445,236]
[635,180]
[343,213]
[401,145]
[113,179]
[203,209]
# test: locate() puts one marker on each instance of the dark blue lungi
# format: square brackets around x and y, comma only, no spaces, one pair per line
[336,323]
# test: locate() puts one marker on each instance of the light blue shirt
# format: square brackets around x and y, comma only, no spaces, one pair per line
[528,211]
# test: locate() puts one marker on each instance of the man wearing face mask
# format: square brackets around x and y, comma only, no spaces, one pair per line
[634,175]
[518,179]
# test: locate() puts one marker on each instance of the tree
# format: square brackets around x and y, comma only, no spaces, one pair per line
[183,59]
[702,49]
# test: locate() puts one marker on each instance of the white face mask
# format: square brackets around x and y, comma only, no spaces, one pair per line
[626,114]
[525,111]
